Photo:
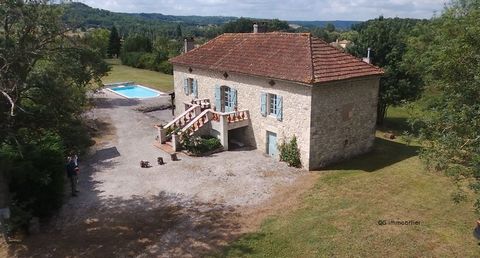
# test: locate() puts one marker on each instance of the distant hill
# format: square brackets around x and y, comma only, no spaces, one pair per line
[83,15]
[80,14]
[343,25]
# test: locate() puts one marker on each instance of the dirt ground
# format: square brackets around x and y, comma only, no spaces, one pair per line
[185,208]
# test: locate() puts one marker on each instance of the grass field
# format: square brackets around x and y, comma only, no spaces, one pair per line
[121,73]
[340,216]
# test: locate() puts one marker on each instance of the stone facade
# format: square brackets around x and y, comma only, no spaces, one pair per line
[322,117]
[296,104]
[343,120]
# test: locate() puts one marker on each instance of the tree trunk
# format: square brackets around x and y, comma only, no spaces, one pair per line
[381,112]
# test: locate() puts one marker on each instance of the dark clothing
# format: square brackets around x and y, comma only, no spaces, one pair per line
[71,169]
[73,184]
[73,176]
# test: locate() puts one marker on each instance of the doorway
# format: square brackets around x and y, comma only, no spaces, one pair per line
[272,144]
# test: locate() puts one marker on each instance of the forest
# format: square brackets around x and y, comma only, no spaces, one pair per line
[45,75]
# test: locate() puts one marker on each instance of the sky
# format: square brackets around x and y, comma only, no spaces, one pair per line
[307,10]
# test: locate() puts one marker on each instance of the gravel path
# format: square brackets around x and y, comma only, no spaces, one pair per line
[184,208]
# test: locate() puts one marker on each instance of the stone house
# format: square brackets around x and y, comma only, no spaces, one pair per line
[258,89]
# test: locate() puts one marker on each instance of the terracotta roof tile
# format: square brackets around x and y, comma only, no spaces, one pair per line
[295,57]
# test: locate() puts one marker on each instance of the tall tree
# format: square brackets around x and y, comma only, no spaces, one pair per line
[114,43]
[387,40]
[447,53]
[98,40]
[178,32]
[44,75]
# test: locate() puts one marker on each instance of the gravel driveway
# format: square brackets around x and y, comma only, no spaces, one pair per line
[183,208]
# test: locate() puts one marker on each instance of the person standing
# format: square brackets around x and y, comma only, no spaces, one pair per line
[72,174]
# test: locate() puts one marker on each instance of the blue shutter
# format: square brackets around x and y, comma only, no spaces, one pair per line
[279,108]
[233,98]
[218,99]
[263,104]
[195,88]
[185,86]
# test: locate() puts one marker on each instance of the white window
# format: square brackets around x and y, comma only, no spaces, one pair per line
[273,107]
[271,104]
[190,87]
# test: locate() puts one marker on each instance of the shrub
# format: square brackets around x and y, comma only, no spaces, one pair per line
[36,173]
[200,145]
[131,58]
[165,67]
[290,153]
[146,61]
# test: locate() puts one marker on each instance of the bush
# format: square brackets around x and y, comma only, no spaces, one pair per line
[200,145]
[146,61]
[290,153]
[165,67]
[131,58]
[36,175]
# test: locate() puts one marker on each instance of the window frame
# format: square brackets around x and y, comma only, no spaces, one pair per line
[189,86]
[272,105]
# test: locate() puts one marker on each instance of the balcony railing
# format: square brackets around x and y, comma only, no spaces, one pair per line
[203,103]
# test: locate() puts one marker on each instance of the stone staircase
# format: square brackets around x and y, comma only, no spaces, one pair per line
[199,119]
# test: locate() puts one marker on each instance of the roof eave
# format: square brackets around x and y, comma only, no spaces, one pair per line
[349,78]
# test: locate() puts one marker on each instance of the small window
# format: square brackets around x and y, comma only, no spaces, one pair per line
[273,107]
[189,89]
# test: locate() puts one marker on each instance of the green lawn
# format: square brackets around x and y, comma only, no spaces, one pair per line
[121,73]
[339,216]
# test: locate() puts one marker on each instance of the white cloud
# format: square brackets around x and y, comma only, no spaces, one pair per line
[286,10]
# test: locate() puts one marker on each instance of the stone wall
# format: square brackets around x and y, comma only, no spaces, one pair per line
[343,120]
[296,105]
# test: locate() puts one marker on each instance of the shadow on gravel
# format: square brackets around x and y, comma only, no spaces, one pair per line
[106,154]
[161,226]
[105,102]
[95,225]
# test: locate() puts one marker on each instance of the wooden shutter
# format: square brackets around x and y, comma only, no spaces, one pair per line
[218,99]
[233,98]
[279,108]
[185,86]
[195,88]
[263,103]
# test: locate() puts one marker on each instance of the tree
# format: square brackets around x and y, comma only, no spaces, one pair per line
[387,40]
[98,40]
[447,53]
[330,27]
[178,32]
[137,43]
[242,25]
[245,25]
[114,43]
[44,77]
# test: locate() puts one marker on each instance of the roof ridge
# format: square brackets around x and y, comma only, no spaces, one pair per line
[268,33]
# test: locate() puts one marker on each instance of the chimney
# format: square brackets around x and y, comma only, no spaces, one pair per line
[255,28]
[188,44]
[367,59]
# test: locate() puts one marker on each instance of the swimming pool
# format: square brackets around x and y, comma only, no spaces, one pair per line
[134,91]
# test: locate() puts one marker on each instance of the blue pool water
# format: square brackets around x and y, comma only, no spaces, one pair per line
[135,91]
